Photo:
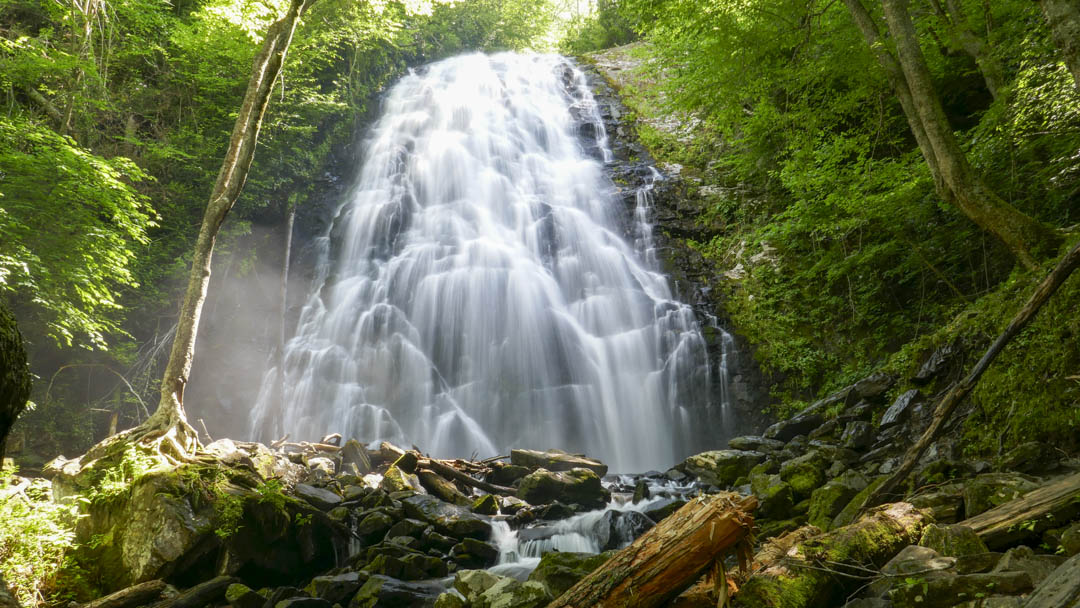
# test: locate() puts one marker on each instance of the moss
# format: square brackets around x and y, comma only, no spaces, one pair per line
[558,571]
[952,541]
[827,502]
[848,513]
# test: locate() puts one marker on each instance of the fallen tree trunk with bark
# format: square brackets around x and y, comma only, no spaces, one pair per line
[137,595]
[1029,515]
[820,570]
[670,557]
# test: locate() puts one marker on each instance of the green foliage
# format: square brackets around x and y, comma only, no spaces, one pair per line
[36,536]
[70,228]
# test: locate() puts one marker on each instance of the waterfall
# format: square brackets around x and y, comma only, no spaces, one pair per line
[483,287]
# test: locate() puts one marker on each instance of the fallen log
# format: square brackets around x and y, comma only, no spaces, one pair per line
[200,595]
[137,595]
[667,559]
[1030,515]
[818,571]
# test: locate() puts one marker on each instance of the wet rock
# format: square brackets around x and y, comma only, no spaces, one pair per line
[373,527]
[407,527]
[752,443]
[721,467]
[504,474]
[952,541]
[336,588]
[385,592]
[577,486]
[989,490]
[472,553]
[556,460]
[486,505]
[664,509]
[1032,457]
[641,491]
[319,497]
[471,583]
[439,486]
[241,596]
[511,504]
[899,410]
[448,519]
[616,529]
[827,501]
[1023,559]
[558,571]
[397,480]
[676,475]
[786,430]
[857,435]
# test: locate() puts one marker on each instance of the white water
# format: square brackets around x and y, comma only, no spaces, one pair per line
[482,288]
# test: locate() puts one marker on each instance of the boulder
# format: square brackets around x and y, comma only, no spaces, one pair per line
[752,443]
[721,468]
[827,501]
[947,591]
[509,593]
[439,486]
[786,430]
[556,460]
[336,588]
[398,480]
[504,474]
[1070,540]
[1061,589]
[448,519]
[373,527]
[946,503]
[576,486]
[318,497]
[354,458]
[933,365]
[899,410]
[486,505]
[663,509]
[472,553]
[775,497]
[616,529]
[385,592]
[471,583]
[873,386]
[805,473]
[1023,559]
[916,560]
[1032,457]
[952,541]
[986,491]
[241,596]
[857,435]
[558,571]
[450,600]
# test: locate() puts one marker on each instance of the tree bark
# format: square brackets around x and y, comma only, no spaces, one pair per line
[1028,239]
[234,169]
[667,559]
[15,378]
[820,570]
[956,394]
[975,47]
[138,595]
[1064,19]
[1029,515]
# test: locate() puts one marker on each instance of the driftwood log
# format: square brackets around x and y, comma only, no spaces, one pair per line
[137,595]
[1030,515]
[670,557]
[819,571]
[948,404]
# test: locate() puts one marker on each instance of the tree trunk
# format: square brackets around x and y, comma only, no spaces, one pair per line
[975,47]
[667,559]
[1029,515]
[1064,19]
[822,569]
[234,169]
[15,378]
[956,394]
[1028,239]
[138,595]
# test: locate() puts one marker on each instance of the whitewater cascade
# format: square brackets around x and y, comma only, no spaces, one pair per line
[483,287]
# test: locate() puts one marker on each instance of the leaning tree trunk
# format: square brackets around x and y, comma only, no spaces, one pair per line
[1028,239]
[1064,19]
[169,417]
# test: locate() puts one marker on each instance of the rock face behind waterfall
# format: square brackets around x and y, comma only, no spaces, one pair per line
[482,287]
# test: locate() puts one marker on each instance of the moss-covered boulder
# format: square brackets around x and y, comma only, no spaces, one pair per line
[486,505]
[775,497]
[558,571]
[383,592]
[448,519]
[948,591]
[721,468]
[830,499]
[556,460]
[805,473]
[576,486]
[952,541]
[851,510]
[510,593]
[989,490]
[399,480]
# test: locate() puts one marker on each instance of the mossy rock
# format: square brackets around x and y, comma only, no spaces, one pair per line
[486,505]
[986,491]
[560,570]
[952,541]
[721,468]
[805,473]
[775,501]
[576,486]
[830,499]
[851,510]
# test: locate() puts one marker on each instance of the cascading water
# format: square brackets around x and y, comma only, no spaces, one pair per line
[476,291]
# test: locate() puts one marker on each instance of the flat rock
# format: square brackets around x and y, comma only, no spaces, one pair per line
[899,410]
[318,497]
[556,460]
[448,519]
